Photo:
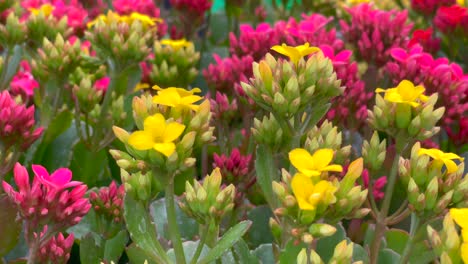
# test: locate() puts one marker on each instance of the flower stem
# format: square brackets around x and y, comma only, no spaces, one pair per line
[172,222]
[382,216]
[201,243]
[415,224]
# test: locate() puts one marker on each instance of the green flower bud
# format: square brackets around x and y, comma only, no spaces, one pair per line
[413,192]
[276,229]
[13,32]
[321,230]
[431,193]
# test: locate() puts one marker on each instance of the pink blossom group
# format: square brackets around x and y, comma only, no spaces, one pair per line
[225,73]
[450,18]
[222,108]
[56,250]
[17,123]
[235,167]
[23,83]
[108,201]
[429,7]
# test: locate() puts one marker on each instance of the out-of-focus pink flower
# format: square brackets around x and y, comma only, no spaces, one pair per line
[426,39]
[449,18]
[108,201]
[375,32]
[225,73]
[16,123]
[260,13]
[60,179]
[23,83]
[221,108]
[56,250]
[235,167]
[429,7]
[147,7]
[94,7]
[74,11]
[255,42]
[377,185]
[102,84]
[198,7]
[459,135]
[42,204]
[349,109]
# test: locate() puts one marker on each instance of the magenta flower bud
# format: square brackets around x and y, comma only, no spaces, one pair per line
[235,168]
[426,39]
[449,18]
[222,108]
[23,83]
[225,73]
[108,201]
[378,185]
[428,7]
[16,123]
[102,84]
[56,250]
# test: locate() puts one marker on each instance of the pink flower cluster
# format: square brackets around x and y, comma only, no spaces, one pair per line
[375,32]
[198,8]
[256,42]
[438,76]
[16,123]
[222,108]
[72,9]
[108,201]
[426,39]
[225,73]
[48,200]
[349,109]
[377,185]
[146,7]
[429,7]
[235,167]
[449,18]
[23,83]
[56,250]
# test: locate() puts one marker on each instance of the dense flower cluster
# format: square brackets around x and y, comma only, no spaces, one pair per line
[109,201]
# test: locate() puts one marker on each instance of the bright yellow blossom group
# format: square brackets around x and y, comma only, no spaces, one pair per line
[176,44]
[313,165]
[112,17]
[404,93]
[177,98]
[45,9]
[441,158]
[295,53]
[309,194]
[461,218]
[158,134]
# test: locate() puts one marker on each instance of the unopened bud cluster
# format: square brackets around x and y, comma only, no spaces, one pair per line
[208,201]
[446,243]
[431,188]
[108,201]
[13,32]
[374,152]
[41,26]
[141,186]
[343,253]
[174,64]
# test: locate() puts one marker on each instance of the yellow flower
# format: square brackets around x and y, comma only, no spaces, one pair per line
[356,2]
[309,195]
[313,165]
[404,93]
[176,44]
[295,53]
[178,98]
[140,86]
[461,218]
[461,2]
[157,134]
[111,17]
[46,9]
[145,20]
[441,158]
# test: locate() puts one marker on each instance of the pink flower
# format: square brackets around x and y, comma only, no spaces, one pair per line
[377,185]
[448,18]
[56,250]
[60,179]
[459,134]
[235,167]
[146,7]
[221,108]
[16,123]
[102,84]
[75,13]
[225,73]
[198,7]
[47,201]
[428,7]
[375,32]
[255,42]
[426,39]
[23,83]
[108,201]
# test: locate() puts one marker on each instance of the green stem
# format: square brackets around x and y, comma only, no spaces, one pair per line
[415,224]
[201,243]
[212,234]
[172,221]
[382,216]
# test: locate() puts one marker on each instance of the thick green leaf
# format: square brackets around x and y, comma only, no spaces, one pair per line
[326,245]
[242,253]
[189,250]
[136,255]
[188,227]
[85,226]
[10,227]
[265,254]
[227,241]
[265,168]
[115,246]
[290,252]
[396,240]
[388,256]
[360,254]
[12,63]
[260,233]
[141,229]
[91,248]
[218,25]
[316,115]
[422,253]
[89,167]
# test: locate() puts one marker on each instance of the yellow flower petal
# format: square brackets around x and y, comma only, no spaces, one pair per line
[334,167]
[464,252]
[322,157]
[173,131]
[155,125]
[302,187]
[300,159]
[141,140]
[165,148]
[460,216]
